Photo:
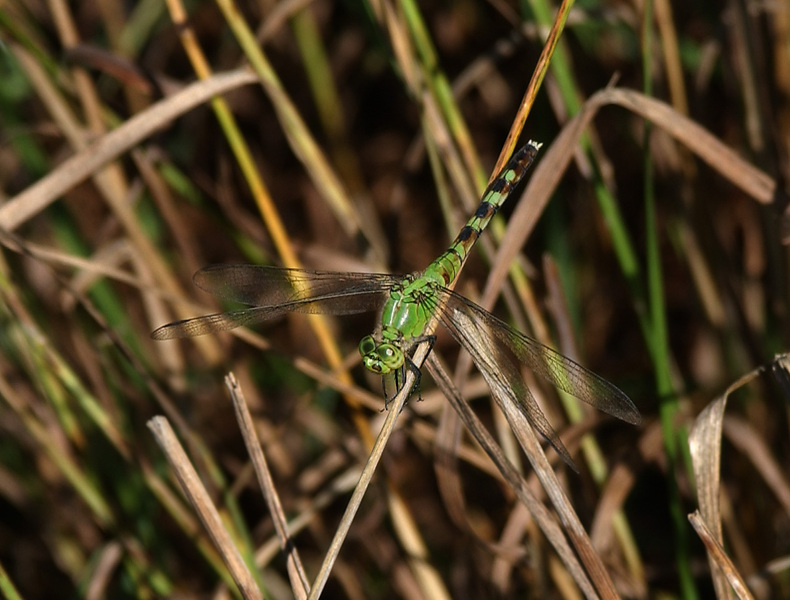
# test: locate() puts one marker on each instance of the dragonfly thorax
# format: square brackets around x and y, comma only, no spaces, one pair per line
[380,357]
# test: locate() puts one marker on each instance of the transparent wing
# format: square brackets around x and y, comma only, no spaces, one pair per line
[564,373]
[484,337]
[497,368]
[274,291]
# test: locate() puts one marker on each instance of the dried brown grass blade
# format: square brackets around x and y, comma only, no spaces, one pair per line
[299,582]
[201,502]
[718,556]
[562,505]
[72,171]
[547,523]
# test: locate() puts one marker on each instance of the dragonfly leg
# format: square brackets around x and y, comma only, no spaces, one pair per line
[408,363]
[414,368]
[384,388]
[431,339]
[417,377]
[400,377]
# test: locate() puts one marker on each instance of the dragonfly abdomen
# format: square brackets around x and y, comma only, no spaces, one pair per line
[450,262]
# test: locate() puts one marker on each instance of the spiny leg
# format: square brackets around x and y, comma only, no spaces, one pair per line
[431,339]
[400,378]
[400,374]
[384,389]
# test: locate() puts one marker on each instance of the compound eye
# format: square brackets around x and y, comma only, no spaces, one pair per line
[367,345]
[390,355]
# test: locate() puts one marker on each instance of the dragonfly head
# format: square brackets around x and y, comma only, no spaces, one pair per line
[380,358]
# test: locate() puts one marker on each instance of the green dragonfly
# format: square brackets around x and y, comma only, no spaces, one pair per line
[409,304]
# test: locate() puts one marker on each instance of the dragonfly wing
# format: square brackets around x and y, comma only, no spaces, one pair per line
[275,291]
[498,369]
[216,322]
[564,373]
[259,285]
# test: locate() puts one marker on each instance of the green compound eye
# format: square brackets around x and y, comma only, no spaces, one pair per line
[391,356]
[367,345]
[383,358]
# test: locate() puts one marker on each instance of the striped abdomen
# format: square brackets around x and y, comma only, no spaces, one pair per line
[450,262]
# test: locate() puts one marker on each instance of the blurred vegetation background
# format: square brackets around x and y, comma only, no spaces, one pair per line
[658,263]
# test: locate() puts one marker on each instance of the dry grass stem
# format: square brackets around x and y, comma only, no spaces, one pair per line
[299,581]
[201,502]
[719,558]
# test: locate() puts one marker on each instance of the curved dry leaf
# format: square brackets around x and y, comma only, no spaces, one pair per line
[705,445]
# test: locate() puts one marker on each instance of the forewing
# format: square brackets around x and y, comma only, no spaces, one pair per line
[258,285]
[274,291]
[564,373]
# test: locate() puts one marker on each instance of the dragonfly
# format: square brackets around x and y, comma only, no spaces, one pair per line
[407,305]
